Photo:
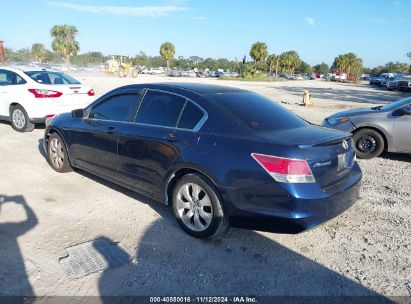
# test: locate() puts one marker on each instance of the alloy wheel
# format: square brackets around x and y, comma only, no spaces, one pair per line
[194,207]
[19,120]
[56,152]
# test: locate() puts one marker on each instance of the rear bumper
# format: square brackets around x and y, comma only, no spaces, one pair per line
[258,210]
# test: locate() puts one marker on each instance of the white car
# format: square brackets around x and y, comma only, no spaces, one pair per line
[32,95]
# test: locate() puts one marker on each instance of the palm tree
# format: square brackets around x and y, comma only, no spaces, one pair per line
[348,63]
[272,62]
[167,51]
[39,51]
[64,41]
[294,60]
[259,53]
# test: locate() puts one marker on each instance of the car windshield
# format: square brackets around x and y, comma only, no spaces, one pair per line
[259,113]
[47,77]
[396,104]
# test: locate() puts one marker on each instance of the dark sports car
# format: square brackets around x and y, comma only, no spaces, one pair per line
[219,155]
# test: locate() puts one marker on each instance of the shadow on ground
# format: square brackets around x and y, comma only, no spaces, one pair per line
[396,156]
[169,262]
[13,274]
[378,96]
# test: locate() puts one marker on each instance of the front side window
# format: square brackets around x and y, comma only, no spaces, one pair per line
[10,78]
[115,108]
[160,109]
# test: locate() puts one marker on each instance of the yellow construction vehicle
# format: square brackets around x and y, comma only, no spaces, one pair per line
[120,65]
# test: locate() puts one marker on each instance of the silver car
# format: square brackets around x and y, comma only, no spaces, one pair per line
[377,129]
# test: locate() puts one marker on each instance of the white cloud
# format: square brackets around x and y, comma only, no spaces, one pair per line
[310,21]
[200,18]
[143,11]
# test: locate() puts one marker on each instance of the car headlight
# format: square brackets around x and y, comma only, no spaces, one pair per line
[337,120]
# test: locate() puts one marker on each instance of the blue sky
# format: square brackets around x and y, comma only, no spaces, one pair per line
[378,31]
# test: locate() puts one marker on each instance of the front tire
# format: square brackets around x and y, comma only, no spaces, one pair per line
[57,154]
[121,72]
[198,208]
[19,119]
[368,143]
[134,73]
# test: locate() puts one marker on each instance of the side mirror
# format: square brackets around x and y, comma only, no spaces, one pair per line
[78,113]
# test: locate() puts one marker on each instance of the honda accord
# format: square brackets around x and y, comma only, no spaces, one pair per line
[219,156]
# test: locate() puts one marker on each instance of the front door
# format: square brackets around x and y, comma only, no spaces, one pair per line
[10,90]
[94,139]
[402,136]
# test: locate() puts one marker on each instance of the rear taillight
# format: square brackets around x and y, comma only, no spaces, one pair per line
[285,170]
[91,93]
[43,93]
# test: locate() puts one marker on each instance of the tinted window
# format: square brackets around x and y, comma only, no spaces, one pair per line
[258,112]
[10,78]
[115,108]
[190,117]
[160,109]
[51,77]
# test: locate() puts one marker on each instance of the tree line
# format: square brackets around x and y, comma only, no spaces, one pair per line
[65,49]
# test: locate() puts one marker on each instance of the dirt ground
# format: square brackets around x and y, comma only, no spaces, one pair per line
[365,251]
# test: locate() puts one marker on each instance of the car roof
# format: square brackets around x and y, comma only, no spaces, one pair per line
[27,68]
[199,88]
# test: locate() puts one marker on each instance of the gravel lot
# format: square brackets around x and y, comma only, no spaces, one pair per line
[365,251]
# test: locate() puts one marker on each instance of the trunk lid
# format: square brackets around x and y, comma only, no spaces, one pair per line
[329,153]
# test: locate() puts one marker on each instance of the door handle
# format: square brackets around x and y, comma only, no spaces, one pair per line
[111,130]
[171,137]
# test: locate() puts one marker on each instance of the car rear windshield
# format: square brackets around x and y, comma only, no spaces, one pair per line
[259,113]
[47,77]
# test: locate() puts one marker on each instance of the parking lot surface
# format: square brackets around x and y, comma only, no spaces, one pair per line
[365,251]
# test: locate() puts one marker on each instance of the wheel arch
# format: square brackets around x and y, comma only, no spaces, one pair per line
[47,136]
[177,173]
[379,131]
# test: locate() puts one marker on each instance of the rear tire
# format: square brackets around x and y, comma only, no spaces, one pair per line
[19,119]
[57,154]
[368,143]
[198,208]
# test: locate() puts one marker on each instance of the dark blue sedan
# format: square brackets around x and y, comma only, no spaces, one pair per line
[220,156]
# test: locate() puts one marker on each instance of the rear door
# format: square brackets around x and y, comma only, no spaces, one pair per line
[149,147]
[401,134]
[94,140]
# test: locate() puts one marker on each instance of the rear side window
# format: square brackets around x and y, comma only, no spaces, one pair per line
[160,109]
[115,108]
[191,116]
[46,77]
[10,78]
[258,112]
